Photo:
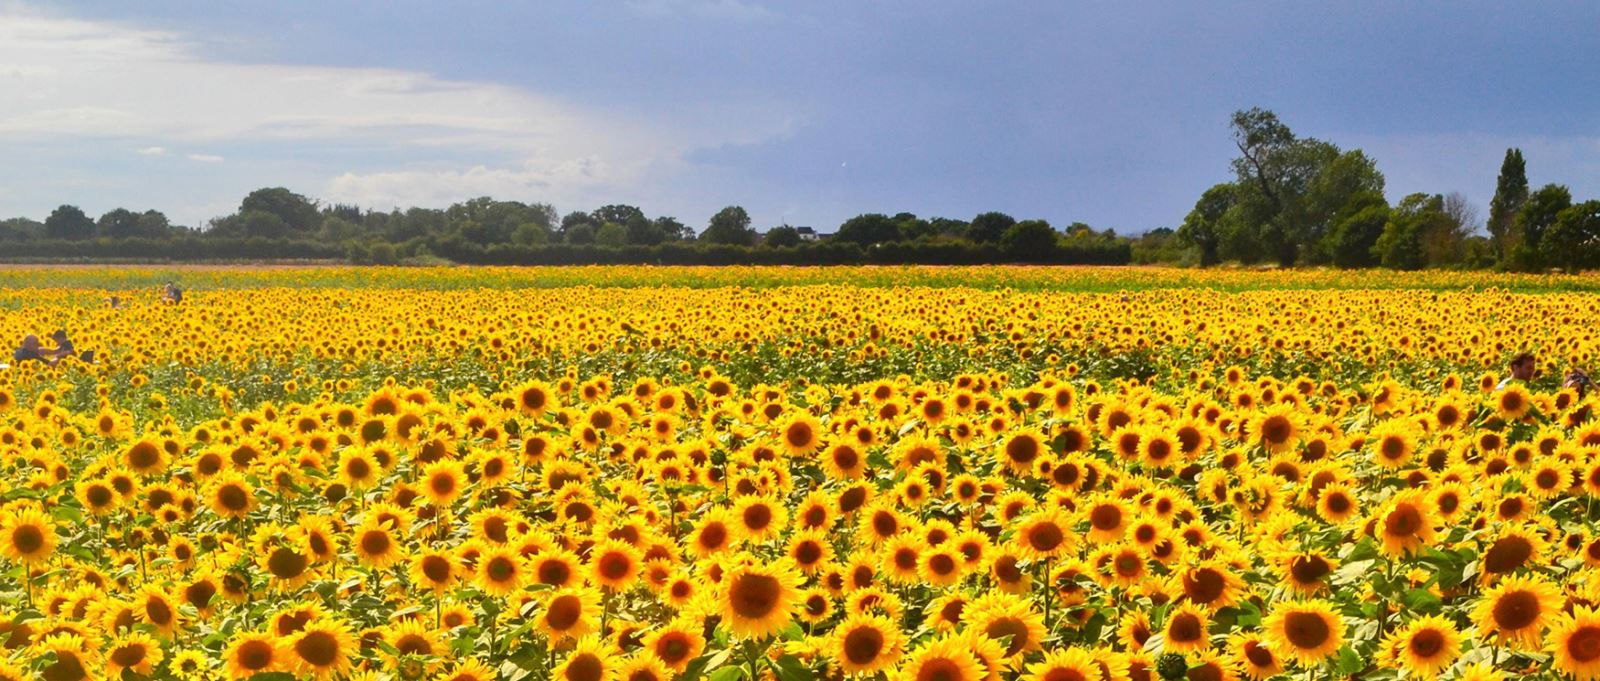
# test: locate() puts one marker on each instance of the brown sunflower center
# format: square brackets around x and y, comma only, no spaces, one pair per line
[1306,630]
[1584,644]
[1507,554]
[563,612]
[585,667]
[1427,642]
[863,645]
[1009,626]
[254,655]
[1045,537]
[27,539]
[754,596]
[285,563]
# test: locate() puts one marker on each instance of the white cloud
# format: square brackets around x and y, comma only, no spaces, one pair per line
[152,151]
[77,80]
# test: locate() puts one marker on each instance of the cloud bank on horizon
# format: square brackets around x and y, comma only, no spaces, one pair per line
[803,113]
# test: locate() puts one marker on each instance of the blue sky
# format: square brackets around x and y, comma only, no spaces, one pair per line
[808,112]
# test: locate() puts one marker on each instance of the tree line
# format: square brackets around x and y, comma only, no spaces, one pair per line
[278,223]
[1302,201]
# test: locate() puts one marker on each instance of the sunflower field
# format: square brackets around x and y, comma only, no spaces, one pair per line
[918,474]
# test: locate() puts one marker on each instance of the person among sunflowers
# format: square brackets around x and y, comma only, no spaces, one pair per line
[31,350]
[1521,369]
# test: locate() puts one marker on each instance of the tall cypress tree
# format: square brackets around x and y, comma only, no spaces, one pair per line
[1510,192]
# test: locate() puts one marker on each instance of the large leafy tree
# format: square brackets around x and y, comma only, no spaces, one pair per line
[1409,226]
[1537,214]
[68,223]
[869,229]
[987,228]
[1203,227]
[297,212]
[731,226]
[1029,240]
[1356,229]
[1572,241]
[1294,185]
[1510,192]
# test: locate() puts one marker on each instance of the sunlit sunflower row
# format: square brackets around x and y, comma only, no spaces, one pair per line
[246,346]
[971,527]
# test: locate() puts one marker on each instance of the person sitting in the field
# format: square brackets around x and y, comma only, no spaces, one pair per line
[1521,370]
[1578,380]
[171,294]
[32,351]
[65,348]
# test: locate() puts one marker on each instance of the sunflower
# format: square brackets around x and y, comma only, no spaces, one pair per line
[469,670]
[252,653]
[434,569]
[614,564]
[1044,534]
[844,460]
[443,481]
[1517,609]
[592,659]
[155,607]
[134,651]
[810,550]
[1306,631]
[412,637]
[1108,519]
[358,470]
[940,566]
[1005,617]
[801,435]
[757,600]
[535,398]
[74,661]
[1065,664]
[1393,443]
[1424,647]
[557,568]
[1337,503]
[676,644]
[500,571]
[1307,572]
[231,495]
[1277,429]
[1019,450]
[569,613]
[1513,548]
[1254,657]
[29,536]
[1512,402]
[145,457]
[97,496]
[865,644]
[714,533]
[760,518]
[1185,630]
[1574,643]
[375,545]
[880,523]
[946,658]
[1405,524]
[321,649]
